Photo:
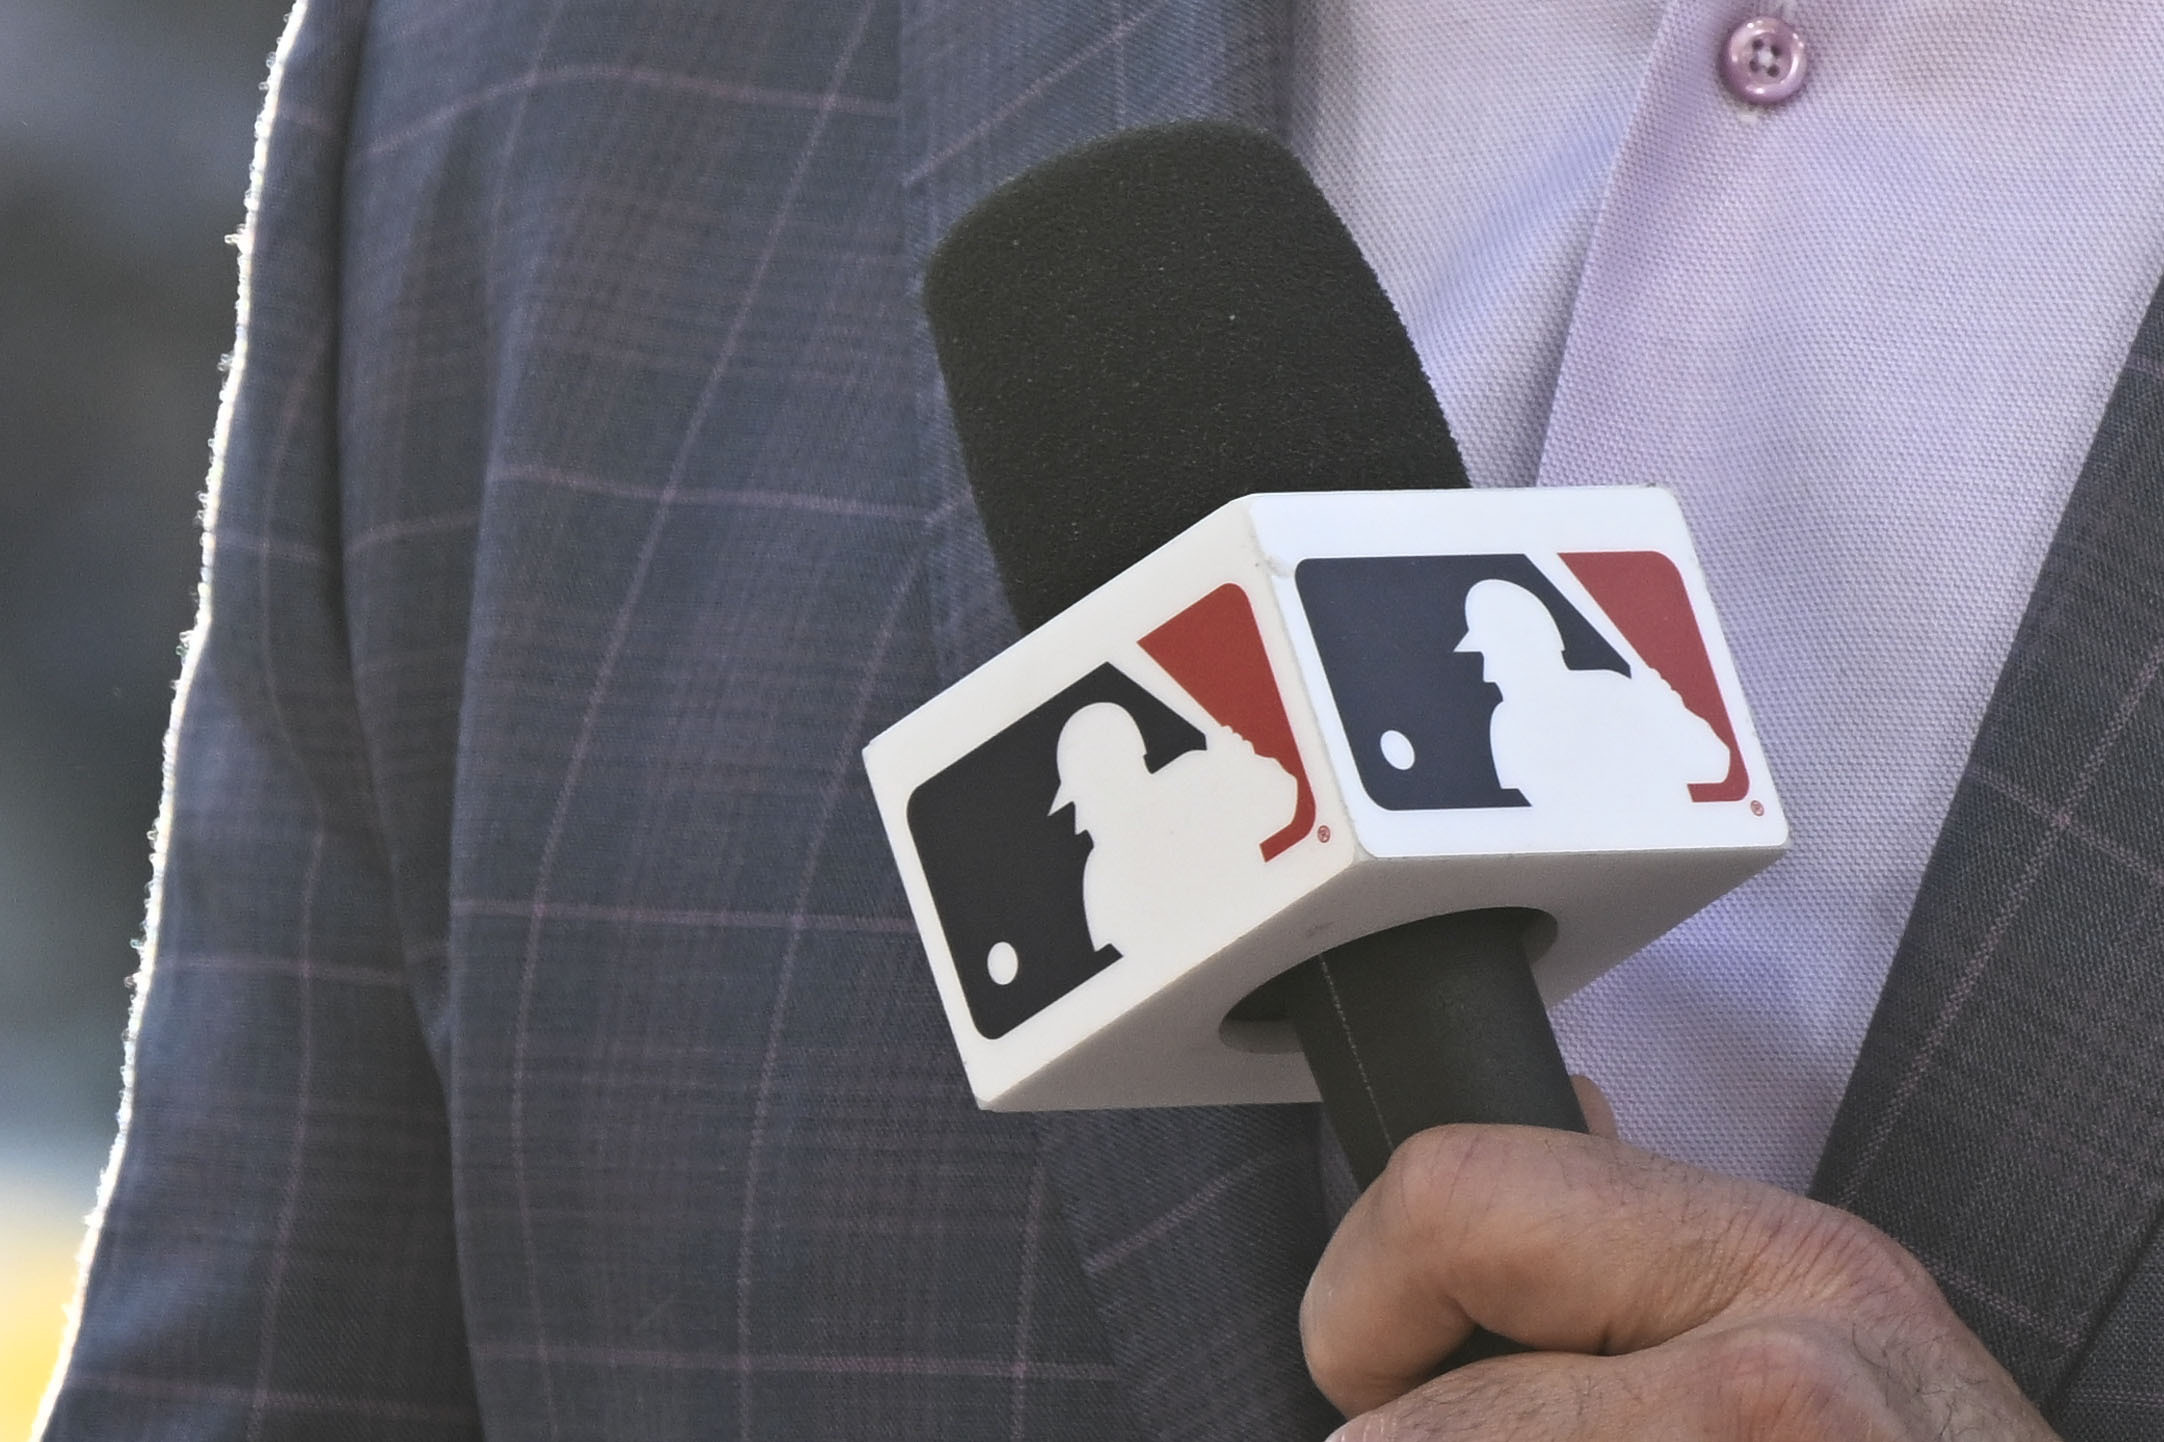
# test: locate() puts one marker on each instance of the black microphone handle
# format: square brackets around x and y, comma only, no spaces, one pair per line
[1432,1022]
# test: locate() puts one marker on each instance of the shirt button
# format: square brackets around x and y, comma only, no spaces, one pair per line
[1762,63]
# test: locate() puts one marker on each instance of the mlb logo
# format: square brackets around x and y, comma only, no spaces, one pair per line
[1307,718]
[1492,687]
[1056,847]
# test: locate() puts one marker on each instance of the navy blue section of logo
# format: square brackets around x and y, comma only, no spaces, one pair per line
[1006,870]
[1387,628]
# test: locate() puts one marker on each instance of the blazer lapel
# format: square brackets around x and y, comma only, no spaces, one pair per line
[1197,1228]
[2006,1118]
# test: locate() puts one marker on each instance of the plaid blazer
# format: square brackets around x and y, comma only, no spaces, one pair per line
[531,1034]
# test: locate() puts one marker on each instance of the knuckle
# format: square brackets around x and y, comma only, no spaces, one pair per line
[1428,1166]
[1438,1181]
[1842,1257]
[1790,1379]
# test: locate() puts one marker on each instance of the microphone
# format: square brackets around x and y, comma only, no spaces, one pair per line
[1316,772]
[1143,329]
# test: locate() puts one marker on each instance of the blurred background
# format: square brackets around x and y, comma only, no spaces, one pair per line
[125,132]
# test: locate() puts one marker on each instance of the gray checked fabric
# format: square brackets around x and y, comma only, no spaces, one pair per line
[2006,1119]
[533,1039]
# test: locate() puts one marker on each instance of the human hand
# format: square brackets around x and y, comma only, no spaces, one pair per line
[1668,1303]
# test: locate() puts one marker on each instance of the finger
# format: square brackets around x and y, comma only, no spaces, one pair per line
[1599,1113]
[1563,1242]
[1555,1397]
[1761,1382]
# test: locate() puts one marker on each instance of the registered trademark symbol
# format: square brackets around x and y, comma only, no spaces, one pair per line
[1758,808]
[1322,833]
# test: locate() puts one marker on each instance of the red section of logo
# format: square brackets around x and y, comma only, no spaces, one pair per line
[1643,593]
[1214,651]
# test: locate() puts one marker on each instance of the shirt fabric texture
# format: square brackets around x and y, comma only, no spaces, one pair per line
[1865,336]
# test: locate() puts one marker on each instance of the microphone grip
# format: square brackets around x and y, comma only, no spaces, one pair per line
[1432,1022]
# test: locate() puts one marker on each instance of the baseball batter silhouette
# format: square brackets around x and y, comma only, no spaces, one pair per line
[1590,738]
[1198,820]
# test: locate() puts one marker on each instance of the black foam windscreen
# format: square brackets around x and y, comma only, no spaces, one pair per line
[1134,334]
[1140,330]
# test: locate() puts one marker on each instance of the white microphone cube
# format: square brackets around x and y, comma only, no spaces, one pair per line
[1306,718]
